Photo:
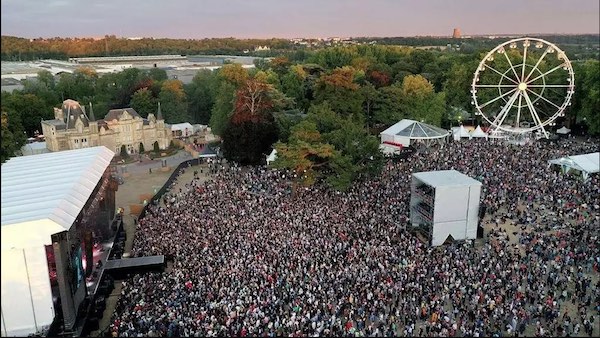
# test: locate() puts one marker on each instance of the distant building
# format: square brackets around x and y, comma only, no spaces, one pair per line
[456,33]
[261,48]
[73,128]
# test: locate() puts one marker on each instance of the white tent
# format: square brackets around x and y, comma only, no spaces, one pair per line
[272,156]
[460,132]
[41,195]
[182,129]
[563,130]
[586,164]
[478,132]
[403,133]
[34,148]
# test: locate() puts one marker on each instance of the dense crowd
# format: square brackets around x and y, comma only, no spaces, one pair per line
[253,255]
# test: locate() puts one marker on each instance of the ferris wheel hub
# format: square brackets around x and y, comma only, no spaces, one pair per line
[522,86]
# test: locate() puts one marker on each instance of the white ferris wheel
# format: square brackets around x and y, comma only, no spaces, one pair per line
[523,86]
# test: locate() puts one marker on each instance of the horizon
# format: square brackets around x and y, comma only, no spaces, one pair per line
[268,19]
[495,35]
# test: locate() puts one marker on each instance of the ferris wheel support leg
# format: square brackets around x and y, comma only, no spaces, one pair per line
[504,112]
[534,114]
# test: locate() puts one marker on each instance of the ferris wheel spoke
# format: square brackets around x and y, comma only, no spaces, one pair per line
[497,72]
[495,86]
[511,67]
[518,111]
[543,98]
[534,113]
[546,73]
[549,86]
[497,98]
[536,65]
[523,66]
[505,110]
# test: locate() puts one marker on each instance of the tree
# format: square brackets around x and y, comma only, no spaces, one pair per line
[285,121]
[419,102]
[233,73]
[173,101]
[30,109]
[324,118]
[361,148]
[143,102]
[223,108]
[43,87]
[157,74]
[202,94]
[248,141]
[339,89]
[457,85]
[369,95]
[252,101]
[12,136]
[305,153]
[588,95]
[387,105]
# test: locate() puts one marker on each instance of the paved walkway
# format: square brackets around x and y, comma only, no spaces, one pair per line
[140,181]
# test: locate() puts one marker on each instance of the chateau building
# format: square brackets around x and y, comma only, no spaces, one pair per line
[74,128]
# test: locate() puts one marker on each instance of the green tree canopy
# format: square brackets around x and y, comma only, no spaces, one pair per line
[173,102]
[143,102]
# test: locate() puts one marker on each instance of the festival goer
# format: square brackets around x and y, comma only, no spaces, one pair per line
[255,256]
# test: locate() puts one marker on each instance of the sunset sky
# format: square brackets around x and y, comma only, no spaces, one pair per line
[287,19]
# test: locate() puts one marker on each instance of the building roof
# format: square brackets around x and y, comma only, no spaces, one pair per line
[54,122]
[115,114]
[415,130]
[445,178]
[590,163]
[182,127]
[50,188]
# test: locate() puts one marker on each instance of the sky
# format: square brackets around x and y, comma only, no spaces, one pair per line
[295,18]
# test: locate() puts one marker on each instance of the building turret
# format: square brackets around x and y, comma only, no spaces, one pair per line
[92,121]
[91,116]
[159,115]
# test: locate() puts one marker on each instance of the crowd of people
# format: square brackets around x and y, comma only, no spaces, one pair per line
[254,255]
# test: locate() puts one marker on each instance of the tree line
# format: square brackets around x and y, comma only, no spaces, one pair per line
[322,110]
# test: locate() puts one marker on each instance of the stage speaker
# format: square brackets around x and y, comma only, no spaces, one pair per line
[89,252]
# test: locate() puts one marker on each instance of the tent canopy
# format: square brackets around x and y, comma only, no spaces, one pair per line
[460,132]
[478,132]
[563,130]
[415,130]
[272,156]
[45,193]
[402,133]
[41,195]
[586,163]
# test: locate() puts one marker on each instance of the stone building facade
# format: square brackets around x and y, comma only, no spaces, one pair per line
[74,128]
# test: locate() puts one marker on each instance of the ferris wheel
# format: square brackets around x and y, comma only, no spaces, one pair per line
[522,86]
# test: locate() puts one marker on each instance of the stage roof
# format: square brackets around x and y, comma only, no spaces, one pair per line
[45,193]
[445,178]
